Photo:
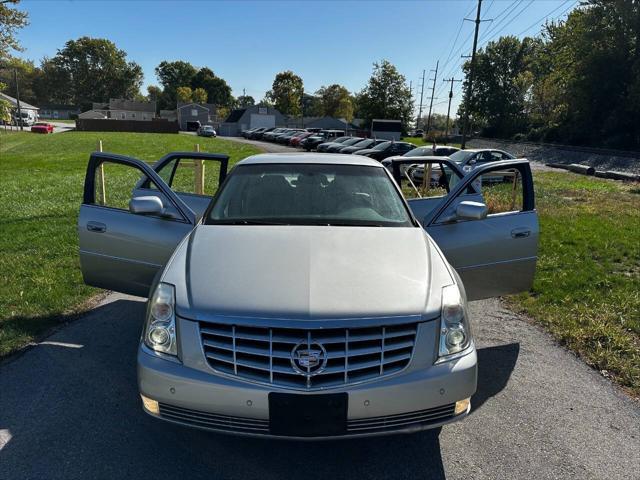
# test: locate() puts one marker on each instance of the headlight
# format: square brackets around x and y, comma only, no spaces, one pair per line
[160,327]
[455,335]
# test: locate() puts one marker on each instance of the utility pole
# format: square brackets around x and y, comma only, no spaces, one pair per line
[446,135]
[465,123]
[433,92]
[421,94]
[15,77]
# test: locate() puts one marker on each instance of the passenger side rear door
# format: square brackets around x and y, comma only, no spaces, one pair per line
[495,253]
[125,240]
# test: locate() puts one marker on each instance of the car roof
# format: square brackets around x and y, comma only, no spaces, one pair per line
[325,159]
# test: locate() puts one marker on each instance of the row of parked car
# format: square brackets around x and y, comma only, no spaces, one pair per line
[334,141]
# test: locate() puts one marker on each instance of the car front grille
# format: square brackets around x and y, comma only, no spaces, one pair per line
[403,420]
[214,421]
[343,355]
[418,419]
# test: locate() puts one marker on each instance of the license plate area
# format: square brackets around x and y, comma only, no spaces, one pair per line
[308,415]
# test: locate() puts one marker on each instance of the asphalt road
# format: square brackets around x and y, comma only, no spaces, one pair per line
[69,408]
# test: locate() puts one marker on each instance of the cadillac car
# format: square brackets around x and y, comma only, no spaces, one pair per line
[306,298]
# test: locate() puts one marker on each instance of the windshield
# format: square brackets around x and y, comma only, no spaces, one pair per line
[364,143]
[382,146]
[351,141]
[309,194]
[419,152]
[461,156]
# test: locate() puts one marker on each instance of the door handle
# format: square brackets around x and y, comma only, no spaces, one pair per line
[96,227]
[520,233]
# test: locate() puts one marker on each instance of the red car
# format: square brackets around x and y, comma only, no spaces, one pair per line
[295,141]
[42,127]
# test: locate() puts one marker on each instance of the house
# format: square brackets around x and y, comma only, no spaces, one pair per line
[122,109]
[205,113]
[56,111]
[250,117]
[29,112]
[171,115]
[386,129]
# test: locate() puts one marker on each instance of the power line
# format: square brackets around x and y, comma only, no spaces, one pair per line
[421,95]
[495,34]
[537,22]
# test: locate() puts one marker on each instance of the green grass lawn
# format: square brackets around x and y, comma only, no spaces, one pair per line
[587,286]
[420,142]
[41,181]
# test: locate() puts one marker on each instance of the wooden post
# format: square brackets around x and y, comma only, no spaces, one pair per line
[427,179]
[101,185]
[199,177]
[514,189]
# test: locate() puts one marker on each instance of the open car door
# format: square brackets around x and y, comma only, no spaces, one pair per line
[487,227]
[128,233]
[193,176]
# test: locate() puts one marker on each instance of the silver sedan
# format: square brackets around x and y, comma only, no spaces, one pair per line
[308,298]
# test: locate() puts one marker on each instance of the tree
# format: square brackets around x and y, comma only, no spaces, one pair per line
[199,95]
[286,93]
[336,101]
[501,85]
[153,93]
[90,70]
[312,106]
[218,91]
[5,110]
[386,95]
[171,76]
[11,20]
[184,94]
[28,75]
[244,101]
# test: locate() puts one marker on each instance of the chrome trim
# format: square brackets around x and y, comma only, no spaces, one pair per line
[256,354]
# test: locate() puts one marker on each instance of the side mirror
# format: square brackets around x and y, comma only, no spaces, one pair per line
[468,210]
[472,162]
[150,205]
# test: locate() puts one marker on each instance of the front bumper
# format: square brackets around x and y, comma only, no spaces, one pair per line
[404,403]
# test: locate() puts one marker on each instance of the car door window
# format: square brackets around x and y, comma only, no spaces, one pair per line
[194,178]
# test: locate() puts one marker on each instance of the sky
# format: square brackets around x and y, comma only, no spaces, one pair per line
[248,42]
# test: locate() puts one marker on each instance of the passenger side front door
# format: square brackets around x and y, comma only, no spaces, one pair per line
[490,237]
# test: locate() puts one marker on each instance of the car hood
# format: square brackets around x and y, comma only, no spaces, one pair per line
[302,272]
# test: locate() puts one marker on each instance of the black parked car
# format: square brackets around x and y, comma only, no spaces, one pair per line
[386,149]
[270,136]
[323,146]
[361,145]
[259,133]
[335,148]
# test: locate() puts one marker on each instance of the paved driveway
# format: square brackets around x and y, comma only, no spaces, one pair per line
[69,409]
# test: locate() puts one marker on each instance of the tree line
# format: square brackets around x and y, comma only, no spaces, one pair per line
[578,83]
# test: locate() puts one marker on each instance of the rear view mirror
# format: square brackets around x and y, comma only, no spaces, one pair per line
[150,205]
[468,210]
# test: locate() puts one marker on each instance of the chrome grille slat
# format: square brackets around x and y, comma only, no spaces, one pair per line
[264,354]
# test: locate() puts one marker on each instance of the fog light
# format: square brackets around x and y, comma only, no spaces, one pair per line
[462,406]
[150,406]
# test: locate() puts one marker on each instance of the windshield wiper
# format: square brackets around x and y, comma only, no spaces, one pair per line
[244,222]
